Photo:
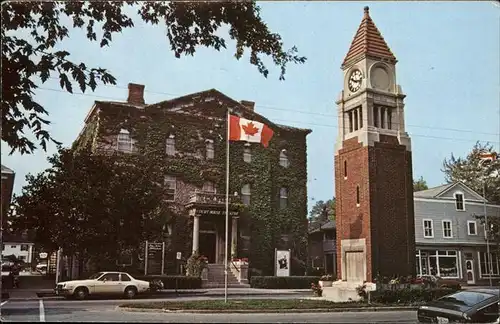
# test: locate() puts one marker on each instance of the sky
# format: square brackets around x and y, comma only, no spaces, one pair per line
[448,66]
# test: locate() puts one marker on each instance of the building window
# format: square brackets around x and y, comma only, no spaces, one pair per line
[208,187]
[24,247]
[459,201]
[357,196]
[247,154]
[389,118]
[472,227]
[245,194]
[170,145]
[438,263]
[124,142]
[428,230]
[356,121]
[375,116]
[284,159]
[360,109]
[345,169]
[351,122]
[13,246]
[210,150]
[283,198]
[490,264]
[170,186]
[382,117]
[447,230]
[22,257]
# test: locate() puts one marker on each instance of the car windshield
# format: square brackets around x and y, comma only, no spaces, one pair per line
[96,275]
[467,298]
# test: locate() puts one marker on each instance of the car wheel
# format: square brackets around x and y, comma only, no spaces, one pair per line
[130,292]
[81,293]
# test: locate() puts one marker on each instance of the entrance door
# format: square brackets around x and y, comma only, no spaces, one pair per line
[469,267]
[354,264]
[208,246]
[329,258]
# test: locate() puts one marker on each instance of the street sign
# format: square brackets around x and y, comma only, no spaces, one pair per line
[43,255]
[179,255]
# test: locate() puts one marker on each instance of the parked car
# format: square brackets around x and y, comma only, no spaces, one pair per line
[466,306]
[103,283]
[439,282]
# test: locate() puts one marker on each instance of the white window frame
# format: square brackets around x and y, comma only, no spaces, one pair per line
[481,275]
[444,229]
[284,162]
[468,227]
[463,200]
[124,139]
[209,149]
[170,145]
[246,190]
[209,187]
[247,154]
[283,197]
[172,180]
[431,228]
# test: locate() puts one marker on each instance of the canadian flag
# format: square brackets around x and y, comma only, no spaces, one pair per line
[241,129]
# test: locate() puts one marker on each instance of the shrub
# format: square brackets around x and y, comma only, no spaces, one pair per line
[173,282]
[293,282]
[327,277]
[408,296]
[195,265]
[317,290]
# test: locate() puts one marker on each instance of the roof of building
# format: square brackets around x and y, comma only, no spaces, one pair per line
[6,170]
[194,96]
[432,192]
[314,228]
[368,41]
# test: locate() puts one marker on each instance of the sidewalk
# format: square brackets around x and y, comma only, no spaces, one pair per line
[30,294]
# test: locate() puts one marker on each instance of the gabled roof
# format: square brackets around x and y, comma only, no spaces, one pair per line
[441,191]
[368,41]
[330,225]
[6,170]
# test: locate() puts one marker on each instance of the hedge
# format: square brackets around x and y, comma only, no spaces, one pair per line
[175,282]
[407,295]
[293,282]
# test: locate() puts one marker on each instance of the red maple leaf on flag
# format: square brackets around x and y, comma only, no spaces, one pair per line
[250,129]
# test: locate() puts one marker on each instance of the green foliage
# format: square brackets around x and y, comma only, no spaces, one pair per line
[408,296]
[292,282]
[420,185]
[195,265]
[188,26]
[91,204]
[323,212]
[175,282]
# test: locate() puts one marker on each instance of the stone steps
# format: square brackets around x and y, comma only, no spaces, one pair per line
[216,278]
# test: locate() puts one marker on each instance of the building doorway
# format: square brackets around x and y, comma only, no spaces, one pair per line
[208,245]
[469,267]
[330,263]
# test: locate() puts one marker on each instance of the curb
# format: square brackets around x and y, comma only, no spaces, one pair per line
[264,311]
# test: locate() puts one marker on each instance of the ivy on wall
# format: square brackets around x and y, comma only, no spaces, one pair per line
[264,219]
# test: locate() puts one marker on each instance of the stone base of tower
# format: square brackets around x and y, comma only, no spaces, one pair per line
[345,291]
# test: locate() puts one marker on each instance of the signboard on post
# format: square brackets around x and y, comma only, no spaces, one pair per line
[155,255]
[282,263]
[178,256]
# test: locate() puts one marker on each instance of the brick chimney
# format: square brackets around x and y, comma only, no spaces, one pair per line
[249,104]
[135,94]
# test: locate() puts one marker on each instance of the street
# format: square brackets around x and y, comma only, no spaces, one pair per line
[106,311]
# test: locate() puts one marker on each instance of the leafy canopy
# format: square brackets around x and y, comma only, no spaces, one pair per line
[323,211]
[93,204]
[28,60]
[420,185]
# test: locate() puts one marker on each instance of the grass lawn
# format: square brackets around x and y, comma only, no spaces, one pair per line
[246,304]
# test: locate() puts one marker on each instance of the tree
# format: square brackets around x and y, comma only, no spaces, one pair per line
[478,175]
[93,205]
[25,59]
[323,211]
[420,185]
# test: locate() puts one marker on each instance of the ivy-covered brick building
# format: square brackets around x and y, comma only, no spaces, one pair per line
[187,138]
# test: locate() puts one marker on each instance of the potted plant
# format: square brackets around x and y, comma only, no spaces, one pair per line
[326,280]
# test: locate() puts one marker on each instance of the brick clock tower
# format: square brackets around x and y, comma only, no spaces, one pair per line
[373,168]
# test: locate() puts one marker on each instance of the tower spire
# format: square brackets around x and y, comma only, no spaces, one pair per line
[368,42]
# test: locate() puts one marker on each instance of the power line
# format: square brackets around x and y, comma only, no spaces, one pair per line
[293,121]
[293,110]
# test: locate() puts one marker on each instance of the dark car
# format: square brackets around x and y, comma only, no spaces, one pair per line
[466,306]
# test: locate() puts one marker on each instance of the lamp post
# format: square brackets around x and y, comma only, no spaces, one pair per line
[487,157]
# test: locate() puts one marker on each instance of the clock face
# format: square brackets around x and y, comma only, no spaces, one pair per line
[355,80]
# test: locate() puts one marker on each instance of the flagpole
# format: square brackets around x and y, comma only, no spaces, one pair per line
[227,206]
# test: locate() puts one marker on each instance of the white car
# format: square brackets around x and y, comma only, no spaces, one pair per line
[103,283]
